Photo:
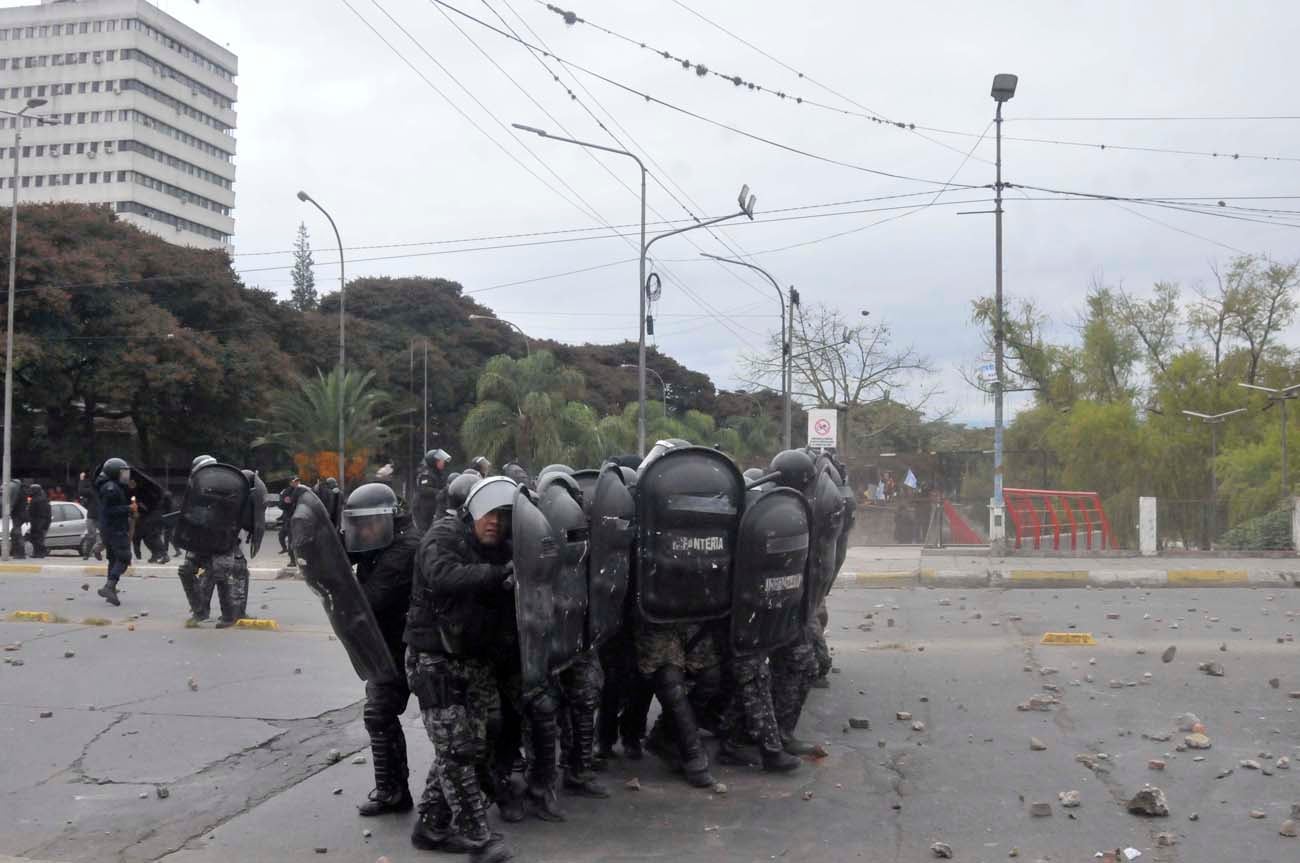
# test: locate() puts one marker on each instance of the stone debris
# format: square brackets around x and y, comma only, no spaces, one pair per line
[334,756]
[918,725]
[68,654]
[1036,745]
[1155,764]
[1040,809]
[1258,813]
[807,795]
[143,795]
[1168,655]
[942,850]
[1070,799]
[192,684]
[1283,763]
[367,833]
[47,714]
[1048,670]
[902,716]
[162,792]
[1224,773]
[1039,702]
[1112,615]
[1250,764]
[1295,694]
[1214,669]
[861,723]
[359,759]
[1274,682]
[719,788]
[337,791]
[1197,741]
[1116,684]
[1158,736]
[1288,829]
[1166,840]
[1149,801]
[632,784]
[1295,810]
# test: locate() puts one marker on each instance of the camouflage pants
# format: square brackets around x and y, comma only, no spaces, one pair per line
[824,661]
[684,645]
[751,707]
[458,698]
[794,668]
[227,574]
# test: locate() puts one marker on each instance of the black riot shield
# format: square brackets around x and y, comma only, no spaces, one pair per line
[254,518]
[569,591]
[612,515]
[328,572]
[212,511]
[147,491]
[688,505]
[770,576]
[827,508]
[587,484]
[537,565]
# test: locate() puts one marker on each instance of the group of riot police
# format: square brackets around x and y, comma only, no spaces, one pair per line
[535,619]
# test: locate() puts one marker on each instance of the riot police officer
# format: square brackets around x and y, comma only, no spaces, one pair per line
[381,540]
[39,517]
[114,522]
[461,622]
[481,465]
[288,501]
[220,500]
[430,489]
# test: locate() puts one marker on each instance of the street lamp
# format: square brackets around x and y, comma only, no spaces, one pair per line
[1004,87]
[746,209]
[1280,397]
[663,390]
[1213,421]
[527,350]
[343,480]
[9,329]
[785,342]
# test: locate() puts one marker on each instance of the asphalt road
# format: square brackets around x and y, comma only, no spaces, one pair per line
[244,756]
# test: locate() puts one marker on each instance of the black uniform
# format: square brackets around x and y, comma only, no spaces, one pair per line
[460,629]
[39,516]
[385,577]
[430,497]
[17,518]
[115,526]
[86,497]
[288,502]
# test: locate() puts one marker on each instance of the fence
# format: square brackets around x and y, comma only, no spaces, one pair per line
[1186,525]
[1070,520]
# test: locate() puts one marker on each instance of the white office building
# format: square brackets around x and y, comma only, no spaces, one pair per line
[144,115]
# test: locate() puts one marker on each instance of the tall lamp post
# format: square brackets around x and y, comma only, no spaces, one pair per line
[527,349]
[785,343]
[1004,87]
[343,480]
[663,390]
[1213,421]
[9,328]
[746,209]
[1280,397]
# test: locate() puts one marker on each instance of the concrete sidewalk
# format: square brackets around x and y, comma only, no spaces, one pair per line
[258,569]
[904,566]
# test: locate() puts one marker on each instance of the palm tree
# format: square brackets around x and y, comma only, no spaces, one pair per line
[528,409]
[305,423]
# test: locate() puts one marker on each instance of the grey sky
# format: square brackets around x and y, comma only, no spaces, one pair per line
[325,106]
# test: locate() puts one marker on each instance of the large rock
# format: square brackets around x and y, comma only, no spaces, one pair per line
[1149,801]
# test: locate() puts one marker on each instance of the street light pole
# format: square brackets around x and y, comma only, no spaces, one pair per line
[663,390]
[6,506]
[1280,397]
[785,343]
[343,479]
[1213,421]
[1004,87]
[746,210]
[527,350]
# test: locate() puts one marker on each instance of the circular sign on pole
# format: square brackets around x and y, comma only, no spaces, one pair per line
[822,427]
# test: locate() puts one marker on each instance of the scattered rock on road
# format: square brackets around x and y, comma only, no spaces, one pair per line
[1168,655]
[1258,813]
[1037,745]
[1149,801]
[359,759]
[942,850]
[47,714]
[1040,809]
[68,654]
[902,716]
[192,684]
[162,792]
[334,756]
[1283,763]
[632,784]
[1187,721]
[1214,669]
[1155,764]
[918,725]
[1165,840]
[1288,829]
[1274,682]
[1250,764]
[1197,741]
[1070,799]
[859,722]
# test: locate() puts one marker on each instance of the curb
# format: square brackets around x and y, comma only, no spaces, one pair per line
[1008,578]
[82,569]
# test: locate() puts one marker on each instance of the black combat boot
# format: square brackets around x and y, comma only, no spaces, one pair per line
[670,687]
[230,614]
[391,792]
[795,746]
[473,834]
[109,592]
[579,773]
[539,797]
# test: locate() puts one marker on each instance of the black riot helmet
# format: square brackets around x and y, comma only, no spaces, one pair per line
[116,469]
[517,472]
[796,468]
[487,495]
[433,456]
[482,465]
[557,477]
[659,449]
[629,477]
[457,490]
[201,461]
[368,518]
[469,471]
[753,473]
[555,468]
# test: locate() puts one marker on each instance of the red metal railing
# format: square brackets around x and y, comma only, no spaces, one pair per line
[1033,510]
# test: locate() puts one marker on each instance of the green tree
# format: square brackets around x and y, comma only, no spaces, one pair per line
[303,297]
[529,410]
[304,423]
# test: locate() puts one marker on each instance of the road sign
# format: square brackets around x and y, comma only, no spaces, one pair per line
[822,428]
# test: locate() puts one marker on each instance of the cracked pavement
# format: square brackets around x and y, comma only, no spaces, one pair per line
[245,756]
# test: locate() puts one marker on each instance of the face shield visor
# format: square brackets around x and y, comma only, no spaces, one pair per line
[368,528]
[495,492]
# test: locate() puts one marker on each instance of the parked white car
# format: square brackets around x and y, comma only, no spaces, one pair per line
[67,526]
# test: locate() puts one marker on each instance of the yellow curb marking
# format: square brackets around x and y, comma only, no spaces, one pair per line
[1068,638]
[1208,576]
[256,623]
[20,567]
[1076,575]
[33,616]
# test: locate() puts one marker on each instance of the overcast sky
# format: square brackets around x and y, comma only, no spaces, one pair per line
[324,105]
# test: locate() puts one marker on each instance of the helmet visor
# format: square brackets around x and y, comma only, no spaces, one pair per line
[489,494]
[367,529]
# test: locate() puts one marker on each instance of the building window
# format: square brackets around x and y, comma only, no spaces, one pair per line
[40,180]
[81,87]
[81,148]
[85,27]
[81,178]
[108,176]
[94,87]
[81,117]
[110,55]
[94,176]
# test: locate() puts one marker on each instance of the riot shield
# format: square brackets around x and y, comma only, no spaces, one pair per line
[827,507]
[587,483]
[212,511]
[688,505]
[327,571]
[849,508]
[253,520]
[146,490]
[612,514]
[569,591]
[770,576]
[537,565]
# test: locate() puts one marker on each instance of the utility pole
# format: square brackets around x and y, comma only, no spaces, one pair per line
[1213,421]
[1280,396]
[1004,87]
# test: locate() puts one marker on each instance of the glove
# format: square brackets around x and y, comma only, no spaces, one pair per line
[508,576]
